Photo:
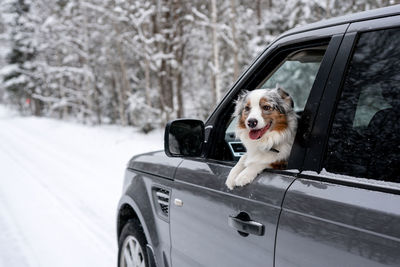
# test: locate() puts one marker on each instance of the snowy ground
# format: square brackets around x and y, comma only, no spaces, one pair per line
[59,188]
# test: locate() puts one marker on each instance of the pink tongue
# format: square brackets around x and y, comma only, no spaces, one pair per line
[256,134]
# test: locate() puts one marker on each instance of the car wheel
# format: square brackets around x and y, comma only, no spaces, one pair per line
[132,246]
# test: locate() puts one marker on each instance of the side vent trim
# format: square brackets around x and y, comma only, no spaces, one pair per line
[161,198]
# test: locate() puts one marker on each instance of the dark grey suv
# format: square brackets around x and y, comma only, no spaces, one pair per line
[337,203]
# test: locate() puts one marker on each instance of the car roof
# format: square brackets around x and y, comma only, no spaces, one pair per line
[360,16]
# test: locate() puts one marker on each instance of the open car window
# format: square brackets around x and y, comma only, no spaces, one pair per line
[296,74]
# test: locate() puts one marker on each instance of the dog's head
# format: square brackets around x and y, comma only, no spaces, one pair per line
[263,110]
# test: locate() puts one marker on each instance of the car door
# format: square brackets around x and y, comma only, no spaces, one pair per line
[344,209]
[204,214]
[212,226]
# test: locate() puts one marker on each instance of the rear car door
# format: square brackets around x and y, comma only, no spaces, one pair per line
[344,210]
[212,226]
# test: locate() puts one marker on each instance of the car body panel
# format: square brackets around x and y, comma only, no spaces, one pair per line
[326,224]
[308,117]
[156,163]
[321,126]
[139,196]
[200,234]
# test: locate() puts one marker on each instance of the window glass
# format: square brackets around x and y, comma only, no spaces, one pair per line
[296,74]
[365,136]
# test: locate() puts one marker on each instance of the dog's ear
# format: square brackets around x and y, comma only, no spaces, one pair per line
[285,96]
[240,103]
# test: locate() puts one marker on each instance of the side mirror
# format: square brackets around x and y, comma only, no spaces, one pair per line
[184,137]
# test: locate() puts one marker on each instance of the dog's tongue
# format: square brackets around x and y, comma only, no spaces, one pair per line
[256,134]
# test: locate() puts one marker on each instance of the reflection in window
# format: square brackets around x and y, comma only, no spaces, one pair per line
[365,137]
[297,74]
[369,103]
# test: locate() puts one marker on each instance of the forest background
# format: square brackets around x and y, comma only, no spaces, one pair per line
[140,62]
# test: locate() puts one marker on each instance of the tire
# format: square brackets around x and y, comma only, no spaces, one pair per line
[129,255]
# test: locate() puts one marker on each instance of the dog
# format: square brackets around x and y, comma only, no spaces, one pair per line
[267,125]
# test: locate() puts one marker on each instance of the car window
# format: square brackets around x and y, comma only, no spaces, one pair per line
[365,136]
[296,74]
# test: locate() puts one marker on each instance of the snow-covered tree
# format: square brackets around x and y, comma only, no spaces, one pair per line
[140,62]
[21,81]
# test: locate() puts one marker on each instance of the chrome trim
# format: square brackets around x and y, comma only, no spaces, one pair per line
[178,202]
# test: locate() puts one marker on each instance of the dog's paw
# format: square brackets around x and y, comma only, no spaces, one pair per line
[245,177]
[230,182]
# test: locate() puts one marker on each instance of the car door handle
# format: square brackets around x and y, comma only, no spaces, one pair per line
[246,227]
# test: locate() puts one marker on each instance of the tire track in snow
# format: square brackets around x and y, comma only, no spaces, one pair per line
[37,171]
[26,164]
[53,156]
[14,248]
[38,175]
[77,163]
[55,142]
[65,206]
[50,149]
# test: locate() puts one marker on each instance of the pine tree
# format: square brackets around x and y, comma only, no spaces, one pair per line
[20,82]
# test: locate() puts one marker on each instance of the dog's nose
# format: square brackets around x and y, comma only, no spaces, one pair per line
[252,123]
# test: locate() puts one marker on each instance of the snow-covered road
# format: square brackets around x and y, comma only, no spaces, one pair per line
[59,188]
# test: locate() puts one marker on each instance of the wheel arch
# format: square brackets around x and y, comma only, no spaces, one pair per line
[127,210]
[137,202]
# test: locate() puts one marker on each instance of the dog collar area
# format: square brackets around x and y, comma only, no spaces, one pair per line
[274,150]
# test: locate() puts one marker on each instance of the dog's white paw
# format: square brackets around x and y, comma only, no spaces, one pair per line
[245,177]
[230,181]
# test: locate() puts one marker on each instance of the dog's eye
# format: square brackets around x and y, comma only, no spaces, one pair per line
[267,108]
[246,108]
